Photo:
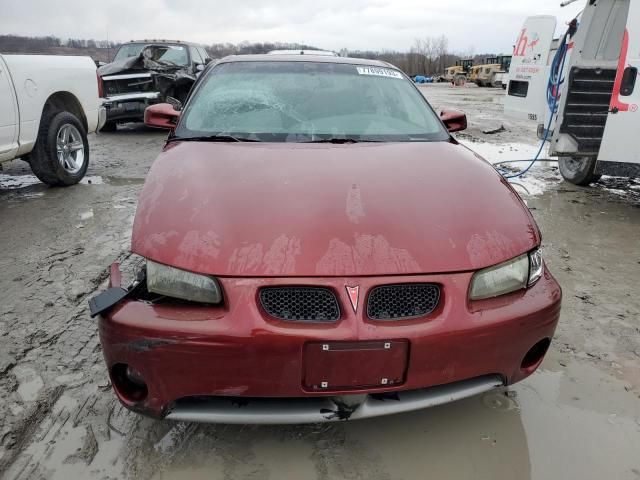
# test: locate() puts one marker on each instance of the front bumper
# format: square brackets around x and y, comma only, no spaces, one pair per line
[129,106]
[325,409]
[204,363]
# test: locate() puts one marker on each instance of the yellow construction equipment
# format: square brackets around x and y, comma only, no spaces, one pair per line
[491,72]
[459,73]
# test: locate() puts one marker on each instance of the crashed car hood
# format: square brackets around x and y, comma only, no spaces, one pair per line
[143,61]
[251,209]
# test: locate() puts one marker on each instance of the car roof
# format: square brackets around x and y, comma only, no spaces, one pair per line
[161,41]
[265,57]
[303,52]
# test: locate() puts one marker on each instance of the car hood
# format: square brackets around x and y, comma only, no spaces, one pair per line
[252,209]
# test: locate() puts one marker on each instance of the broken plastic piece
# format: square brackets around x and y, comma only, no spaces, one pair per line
[107,299]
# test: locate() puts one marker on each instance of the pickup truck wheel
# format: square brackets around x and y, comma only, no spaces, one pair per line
[61,154]
[579,171]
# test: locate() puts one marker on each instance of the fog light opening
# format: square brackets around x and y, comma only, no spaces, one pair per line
[534,356]
[129,383]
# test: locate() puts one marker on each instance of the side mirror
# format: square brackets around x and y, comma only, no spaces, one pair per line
[161,115]
[454,120]
[199,67]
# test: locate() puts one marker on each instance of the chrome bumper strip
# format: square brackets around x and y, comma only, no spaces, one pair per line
[324,409]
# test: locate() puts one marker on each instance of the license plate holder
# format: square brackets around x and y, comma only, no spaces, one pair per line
[354,365]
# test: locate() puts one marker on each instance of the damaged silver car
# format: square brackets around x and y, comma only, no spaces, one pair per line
[146,72]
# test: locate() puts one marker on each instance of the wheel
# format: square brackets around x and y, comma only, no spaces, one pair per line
[579,171]
[109,126]
[61,154]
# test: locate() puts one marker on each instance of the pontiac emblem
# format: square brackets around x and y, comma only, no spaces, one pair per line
[354,293]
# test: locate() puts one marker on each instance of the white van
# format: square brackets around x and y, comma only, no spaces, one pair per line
[596,122]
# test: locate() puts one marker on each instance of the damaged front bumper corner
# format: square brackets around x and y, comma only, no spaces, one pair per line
[129,106]
[108,299]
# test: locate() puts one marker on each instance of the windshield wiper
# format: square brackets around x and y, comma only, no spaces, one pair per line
[337,140]
[212,138]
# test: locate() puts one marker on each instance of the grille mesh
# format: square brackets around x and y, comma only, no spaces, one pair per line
[300,304]
[395,302]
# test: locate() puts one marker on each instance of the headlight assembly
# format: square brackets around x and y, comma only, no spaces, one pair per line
[516,274]
[176,283]
[535,266]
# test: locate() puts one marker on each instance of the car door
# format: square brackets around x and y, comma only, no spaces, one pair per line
[8,115]
[527,83]
[623,122]
[196,60]
[204,54]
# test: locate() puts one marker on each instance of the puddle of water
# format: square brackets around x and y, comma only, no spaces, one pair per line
[577,422]
[580,423]
[573,422]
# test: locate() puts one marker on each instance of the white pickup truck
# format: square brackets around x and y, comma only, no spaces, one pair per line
[48,104]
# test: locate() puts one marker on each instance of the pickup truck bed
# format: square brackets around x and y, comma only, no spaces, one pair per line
[48,105]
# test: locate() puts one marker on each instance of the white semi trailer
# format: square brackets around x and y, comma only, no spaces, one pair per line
[581,89]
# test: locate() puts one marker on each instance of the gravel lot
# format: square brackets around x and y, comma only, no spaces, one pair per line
[577,417]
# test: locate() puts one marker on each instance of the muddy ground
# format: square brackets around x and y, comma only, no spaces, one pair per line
[578,417]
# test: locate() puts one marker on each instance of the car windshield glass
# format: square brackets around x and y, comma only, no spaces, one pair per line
[293,101]
[169,54]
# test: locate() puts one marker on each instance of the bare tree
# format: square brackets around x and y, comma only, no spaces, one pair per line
[442,52]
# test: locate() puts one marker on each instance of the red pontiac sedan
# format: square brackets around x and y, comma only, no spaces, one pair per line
[319,247]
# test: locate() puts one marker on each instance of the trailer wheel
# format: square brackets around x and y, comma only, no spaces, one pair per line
[579,171]
[61,153]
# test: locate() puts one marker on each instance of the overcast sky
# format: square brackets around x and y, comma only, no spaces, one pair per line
[484,26]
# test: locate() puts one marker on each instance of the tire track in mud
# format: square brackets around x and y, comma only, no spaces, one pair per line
[54,388]
[76,339]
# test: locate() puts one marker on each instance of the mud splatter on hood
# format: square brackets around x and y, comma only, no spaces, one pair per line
[328,210]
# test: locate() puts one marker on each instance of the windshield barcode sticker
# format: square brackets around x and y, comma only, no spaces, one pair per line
[380,72]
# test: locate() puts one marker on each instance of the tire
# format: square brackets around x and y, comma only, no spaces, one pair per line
[61,153]
[109,126]
[579,171]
